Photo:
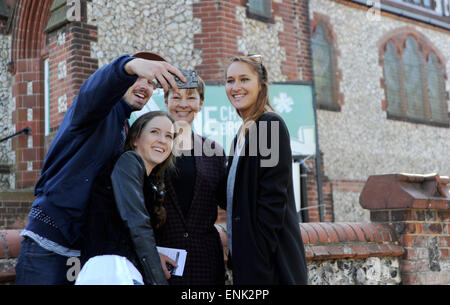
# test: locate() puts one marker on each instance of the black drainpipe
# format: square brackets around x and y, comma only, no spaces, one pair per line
[318,157]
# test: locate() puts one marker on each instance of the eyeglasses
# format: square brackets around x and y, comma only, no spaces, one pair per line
[255,58]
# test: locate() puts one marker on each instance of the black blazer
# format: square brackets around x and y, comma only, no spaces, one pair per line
[266,241]
[196,232]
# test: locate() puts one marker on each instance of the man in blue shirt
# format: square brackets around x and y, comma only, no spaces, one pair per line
[91,134]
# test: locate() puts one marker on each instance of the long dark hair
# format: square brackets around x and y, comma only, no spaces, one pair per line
[156,177]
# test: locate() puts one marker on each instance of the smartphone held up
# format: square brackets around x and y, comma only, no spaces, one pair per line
[191,80]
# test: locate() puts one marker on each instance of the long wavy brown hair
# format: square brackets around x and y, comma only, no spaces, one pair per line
[157,175]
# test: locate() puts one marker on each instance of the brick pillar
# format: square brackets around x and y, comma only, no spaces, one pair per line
[28,89]
[70,64]
[218,38]
[417,207]
[27,85]
[295,38]
[312,196]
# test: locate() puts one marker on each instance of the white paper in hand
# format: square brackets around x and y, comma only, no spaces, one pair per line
[177,255]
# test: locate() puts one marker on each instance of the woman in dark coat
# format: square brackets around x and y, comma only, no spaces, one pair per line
[262,223]
[194,190]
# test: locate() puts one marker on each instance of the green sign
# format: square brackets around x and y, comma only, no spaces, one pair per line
[219,121]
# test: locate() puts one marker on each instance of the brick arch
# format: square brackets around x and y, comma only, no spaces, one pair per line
[28,43]
[320,18]
[398,38]
[28,30]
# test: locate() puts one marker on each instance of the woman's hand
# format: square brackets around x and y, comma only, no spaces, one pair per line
[166,260]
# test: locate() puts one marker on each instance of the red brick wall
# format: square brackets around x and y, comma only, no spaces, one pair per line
[218,37]
[28,88]
[313,213]
[14,208]
[74,54]
[30,46]
[425,236]
[417,208]
[14,214]
[220,31]
[296,29]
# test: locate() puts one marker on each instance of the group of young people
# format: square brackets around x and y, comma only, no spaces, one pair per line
[110,193]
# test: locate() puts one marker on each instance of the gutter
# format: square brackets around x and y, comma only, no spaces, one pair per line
[405,13]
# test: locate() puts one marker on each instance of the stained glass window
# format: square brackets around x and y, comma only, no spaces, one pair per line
[413,79]
[260,8]
[392,77]
[436,90]
[323,67]
[415,87]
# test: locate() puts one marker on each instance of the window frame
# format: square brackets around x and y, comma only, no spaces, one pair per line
[422,4]
[424,49]
[268,17]
[335,72]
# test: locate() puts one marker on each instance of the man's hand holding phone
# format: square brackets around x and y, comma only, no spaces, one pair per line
[161,71]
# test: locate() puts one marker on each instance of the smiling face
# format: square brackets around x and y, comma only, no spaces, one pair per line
[154,144]
[184,104]
[139,94]
[242,87]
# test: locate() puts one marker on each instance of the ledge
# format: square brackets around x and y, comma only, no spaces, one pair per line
[17,196]
[10,242]
[323,241]
[327,240]
[400,191]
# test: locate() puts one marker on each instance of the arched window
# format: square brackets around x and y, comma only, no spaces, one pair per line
[324,68]
[412,62]
[392,75]
[415,85]
[436,89]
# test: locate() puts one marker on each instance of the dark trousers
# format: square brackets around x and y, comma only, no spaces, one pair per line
[38,266]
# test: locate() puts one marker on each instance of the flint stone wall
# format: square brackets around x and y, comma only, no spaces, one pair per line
[262,38]
[166,27]
[369,271]
[359,141]
[6,108]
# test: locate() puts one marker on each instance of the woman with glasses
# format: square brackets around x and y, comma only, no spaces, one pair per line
[262,223]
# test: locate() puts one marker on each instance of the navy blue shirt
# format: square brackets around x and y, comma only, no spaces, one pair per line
[90,134]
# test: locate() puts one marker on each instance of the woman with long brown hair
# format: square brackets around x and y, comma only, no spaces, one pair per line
[262,223]
[125,208]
